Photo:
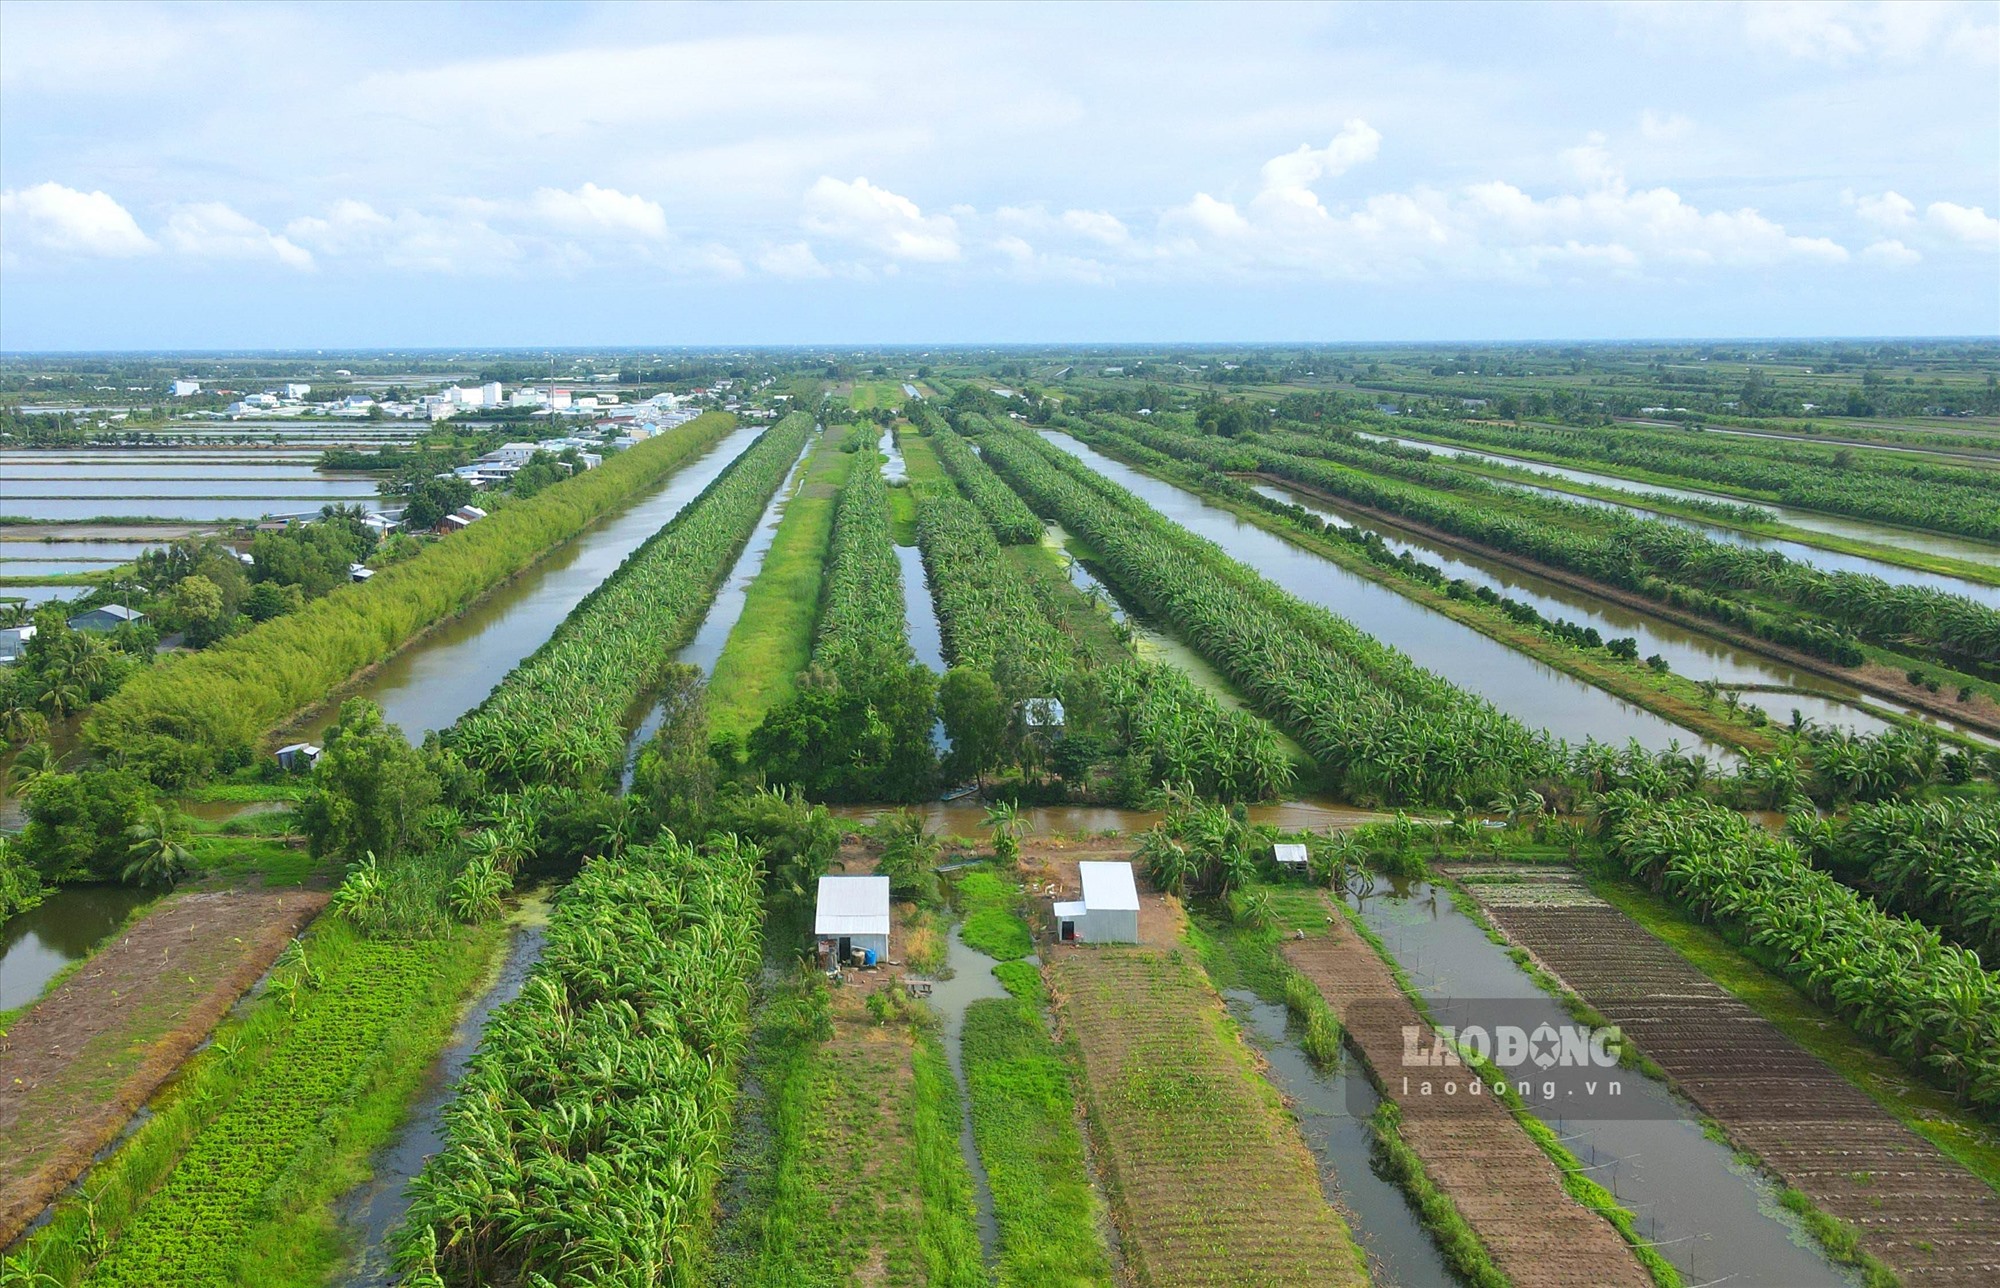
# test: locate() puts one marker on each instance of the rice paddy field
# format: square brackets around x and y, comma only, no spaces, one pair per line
[1673,734]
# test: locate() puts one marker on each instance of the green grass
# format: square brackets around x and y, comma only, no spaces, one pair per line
[872,395]
[772,642]
[1924,1109]
[228,1181]
[1448,1228]
[991,926]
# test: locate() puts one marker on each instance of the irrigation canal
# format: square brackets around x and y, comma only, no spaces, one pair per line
[1539,696]
[1717,1219]
[64,927]
[1810,520]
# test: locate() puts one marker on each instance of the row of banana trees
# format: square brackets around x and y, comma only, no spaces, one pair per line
[1904,490]
[1894,979]
[1937,861]
[1806,607]
[987,612]
[176,721]
[560,716]
[1380,725]
[1190,739]
[1013,522]
[861,635]
[584,1144]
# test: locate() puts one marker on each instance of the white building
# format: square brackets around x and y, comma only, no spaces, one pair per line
[559,399]
[489,394]
[186,388]
[1108,913]
[1290,856]
[515,454]
[852,917]
[297,392]
[12,641]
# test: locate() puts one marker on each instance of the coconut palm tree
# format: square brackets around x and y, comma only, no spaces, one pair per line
[156,852]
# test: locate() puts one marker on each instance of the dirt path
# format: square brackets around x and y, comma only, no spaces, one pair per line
[1886,682]
[1923,1215]
[1209,1177]
[1507,1189]
[82,1060]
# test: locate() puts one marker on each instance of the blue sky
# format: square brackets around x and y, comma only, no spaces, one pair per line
[247,175]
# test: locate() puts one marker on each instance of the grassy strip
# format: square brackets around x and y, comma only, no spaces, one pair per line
[772,641]
[1453,1234]
[991,925]
[173,719]
[858,1164]
[272,1120]
[1923,1108]
[1576,1181]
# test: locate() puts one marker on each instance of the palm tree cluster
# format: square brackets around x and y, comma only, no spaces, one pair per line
[1013,522]
[176,719]
[1190,738]
[584,1144]
[1895,980]
[1937,861]
[559,717]
[986,610]
[1378,723]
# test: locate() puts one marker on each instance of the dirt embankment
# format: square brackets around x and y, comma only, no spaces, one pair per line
[80,1063]
[1980,713]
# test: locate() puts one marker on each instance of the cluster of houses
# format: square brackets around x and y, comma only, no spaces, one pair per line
[293,399]
[14,639]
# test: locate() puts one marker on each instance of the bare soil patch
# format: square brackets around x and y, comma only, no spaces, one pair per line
[1505,1186]
[1918,1211]
[82,1061]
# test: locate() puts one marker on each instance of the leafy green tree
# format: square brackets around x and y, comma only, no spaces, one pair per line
[78,824]
[156,851]
[196,605]
[676,775]
[975,719]
[430,500]
[370,788]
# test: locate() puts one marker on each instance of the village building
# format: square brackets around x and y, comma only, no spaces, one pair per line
[108,618]
[851,921]
[1108,913]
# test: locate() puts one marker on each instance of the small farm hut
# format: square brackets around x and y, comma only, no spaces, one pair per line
[1291,856]
[1044,717]
[852,920]
[1108,913]
[298,757]
[108,618]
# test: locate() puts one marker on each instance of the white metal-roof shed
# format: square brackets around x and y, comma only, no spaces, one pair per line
[853,913]
[1108,913]
[1289,854]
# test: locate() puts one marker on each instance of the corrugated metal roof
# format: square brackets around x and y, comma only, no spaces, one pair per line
[1109,886]
[1289,852]
[1070,911]
[852,906]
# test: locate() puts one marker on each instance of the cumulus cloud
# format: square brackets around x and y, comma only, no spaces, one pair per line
[1357,142]
[880,220]
[1891,253]
[1839,32]
[1942,221]
[1970,224]
[594,210]
[212,230]
[461,242]
[793,260]
[65,222]
[1890,210]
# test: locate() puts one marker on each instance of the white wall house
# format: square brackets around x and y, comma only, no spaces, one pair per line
[852,916]
[1291,856]
[186,388]
[1108,913]
[297,392]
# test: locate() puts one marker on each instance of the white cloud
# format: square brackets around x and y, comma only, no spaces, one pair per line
[793,260]
[1970,224]
[62,221]
[881,220]
[1356,143]
[1891,253]
[1664,127]
[1097,225]
[1890,210]
[461,242]
[212,230]
[594,210]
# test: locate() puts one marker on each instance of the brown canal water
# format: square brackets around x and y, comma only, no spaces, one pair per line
[1333,1106]
[35,945]
[1716,1219]
[1689,653]
[1811,521]
[1539,696]
[450,671]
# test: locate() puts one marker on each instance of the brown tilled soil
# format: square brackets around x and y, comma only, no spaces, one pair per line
[82,1060]
[1919,1212]
[1209,1178]
[1506,1188]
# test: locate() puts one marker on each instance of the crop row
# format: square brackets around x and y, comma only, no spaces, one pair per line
[1895,980]
[1938,861]
[1911,492]
[1013,522]
[861,636]
[193,1228]
[1191,739]
[986,611]
[1661,560]
[585,1142]
[1377,722]
[175,720]
[559,717]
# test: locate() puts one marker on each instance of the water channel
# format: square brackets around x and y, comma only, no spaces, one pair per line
[451,670]
[1538,695]
[64,927]
[1715,1218]
[1829,560]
